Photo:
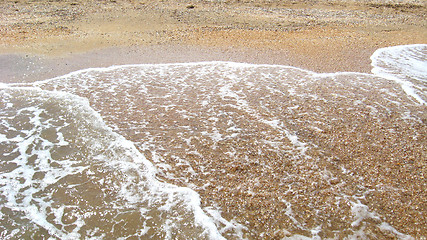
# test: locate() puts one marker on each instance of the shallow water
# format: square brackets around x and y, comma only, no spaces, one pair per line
[217,149]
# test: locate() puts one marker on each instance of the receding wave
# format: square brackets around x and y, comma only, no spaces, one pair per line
[65,174]
[406,65]
[272,152]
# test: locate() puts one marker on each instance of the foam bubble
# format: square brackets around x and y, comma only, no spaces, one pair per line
[96,159]
[403,64]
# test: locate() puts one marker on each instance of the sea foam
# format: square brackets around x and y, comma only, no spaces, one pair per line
[55,146]
[407,65]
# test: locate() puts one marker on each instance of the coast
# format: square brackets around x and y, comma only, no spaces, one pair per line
[351,139]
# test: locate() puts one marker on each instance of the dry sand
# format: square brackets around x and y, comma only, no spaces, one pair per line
[41,39]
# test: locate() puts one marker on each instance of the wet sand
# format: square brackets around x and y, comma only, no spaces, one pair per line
[41,40]
[284,154]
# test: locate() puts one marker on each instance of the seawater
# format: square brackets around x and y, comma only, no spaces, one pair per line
[124,152]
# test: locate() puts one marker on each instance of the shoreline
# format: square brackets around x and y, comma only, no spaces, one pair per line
[329,36]
[24,67]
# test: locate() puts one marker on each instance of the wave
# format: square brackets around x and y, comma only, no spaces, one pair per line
[101,152]
[406,65]
[68,175]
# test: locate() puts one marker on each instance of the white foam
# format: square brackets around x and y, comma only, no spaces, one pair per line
[361,212]
[19,185]
[387,228]
[127,159]
[403,64]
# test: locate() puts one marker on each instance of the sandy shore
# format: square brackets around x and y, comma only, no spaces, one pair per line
[41,39]
[324,36]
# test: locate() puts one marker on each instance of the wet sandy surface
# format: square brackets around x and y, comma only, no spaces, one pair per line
[275,147]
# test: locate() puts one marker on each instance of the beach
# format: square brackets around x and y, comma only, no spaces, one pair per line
[266,109]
